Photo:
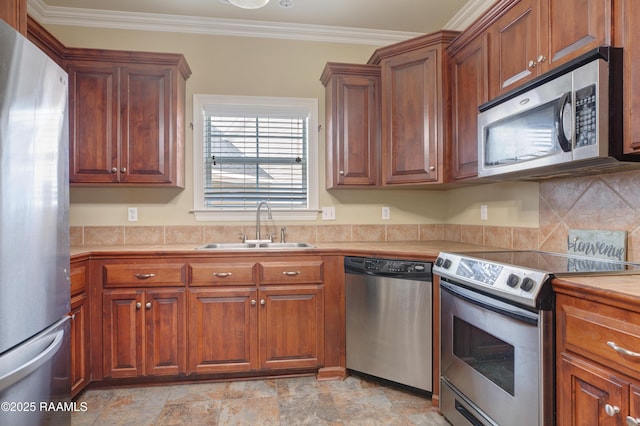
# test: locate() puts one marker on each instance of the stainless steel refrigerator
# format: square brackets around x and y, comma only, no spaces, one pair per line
[34,236]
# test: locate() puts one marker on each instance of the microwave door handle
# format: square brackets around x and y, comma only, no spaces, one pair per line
[561,109]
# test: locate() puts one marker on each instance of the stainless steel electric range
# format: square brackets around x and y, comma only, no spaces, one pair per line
[497,333]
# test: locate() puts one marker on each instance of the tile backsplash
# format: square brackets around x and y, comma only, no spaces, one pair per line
[606,202]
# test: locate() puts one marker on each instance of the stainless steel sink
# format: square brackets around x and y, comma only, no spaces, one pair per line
[253,246]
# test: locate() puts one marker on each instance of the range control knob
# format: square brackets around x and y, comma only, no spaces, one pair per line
[527,284]
[447,264]
[513,280]
[439,261]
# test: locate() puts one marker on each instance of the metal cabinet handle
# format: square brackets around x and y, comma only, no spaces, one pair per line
[341,172]
[123,170]
[432,168]
[253,302]
[532,64]
[222,274]
[632,422]
[611,410]
[541,59]
[291,273]
[114,170]
[148,305]
[144,276]
[138,305]
[623,351]
[262,302]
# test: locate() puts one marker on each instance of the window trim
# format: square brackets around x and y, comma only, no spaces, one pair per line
[238,215]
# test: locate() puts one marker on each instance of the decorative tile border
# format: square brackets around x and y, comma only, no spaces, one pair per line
[502,237]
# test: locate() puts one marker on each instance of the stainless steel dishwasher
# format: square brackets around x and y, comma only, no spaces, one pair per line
[389,319]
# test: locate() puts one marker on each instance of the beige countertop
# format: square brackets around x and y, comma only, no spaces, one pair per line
[405,249]
[622,287]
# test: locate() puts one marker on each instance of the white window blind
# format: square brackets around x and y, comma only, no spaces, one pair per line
[254,157]
[251,149]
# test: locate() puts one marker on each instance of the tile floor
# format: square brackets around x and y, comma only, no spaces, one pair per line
[287,401]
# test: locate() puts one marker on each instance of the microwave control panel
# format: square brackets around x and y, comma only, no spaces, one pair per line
[586,116]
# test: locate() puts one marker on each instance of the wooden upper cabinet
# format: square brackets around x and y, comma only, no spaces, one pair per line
[514,50]
[533,36]
[126,118]
[630,29]
[469,89]
[590,26]
[352,97]
[414,105]
[93,123]
[14,13]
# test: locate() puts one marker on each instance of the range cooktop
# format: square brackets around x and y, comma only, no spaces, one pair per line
[521,276]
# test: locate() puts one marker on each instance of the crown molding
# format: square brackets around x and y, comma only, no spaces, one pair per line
[469,13]
[54,15]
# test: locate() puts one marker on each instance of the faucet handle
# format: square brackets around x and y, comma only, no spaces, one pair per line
[243,237]
[282,238]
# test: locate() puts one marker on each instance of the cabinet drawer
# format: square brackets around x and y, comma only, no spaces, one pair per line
[591,329]
[291,272]
[78,279]
[141,275]
[207,274]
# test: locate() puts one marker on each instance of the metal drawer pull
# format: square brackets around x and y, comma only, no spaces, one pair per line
[291,273]
[632,422]
[253,302]
[138,305]
[262,302]
[623,351]
[144,276]
[148,305]
[611,410]
[222,274]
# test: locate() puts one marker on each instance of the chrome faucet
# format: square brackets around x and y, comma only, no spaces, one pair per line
[260,204]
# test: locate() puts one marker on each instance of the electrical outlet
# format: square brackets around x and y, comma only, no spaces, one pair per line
[386,213]
[132,214]
[484,212]
[328,213]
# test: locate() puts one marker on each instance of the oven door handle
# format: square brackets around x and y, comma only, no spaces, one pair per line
[490,303]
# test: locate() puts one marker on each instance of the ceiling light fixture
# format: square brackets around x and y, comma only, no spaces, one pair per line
[249,4]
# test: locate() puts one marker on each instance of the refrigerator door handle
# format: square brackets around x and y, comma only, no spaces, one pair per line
[51,343]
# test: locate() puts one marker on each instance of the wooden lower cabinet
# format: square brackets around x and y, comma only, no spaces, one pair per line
[589,393]
[241,330]
[223,336]
[291,327]
[598,379]
[79,332]
[144,332]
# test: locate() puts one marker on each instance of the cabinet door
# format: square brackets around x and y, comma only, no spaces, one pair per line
[514,50]
[14,13]
[356,133]
[584,391]
[590,26]
[223,332]
[146,129]
[79,343]
[411,112]
[291,327]
[631,77]
[93,123]
[123,333]
[469,89]
[165,321]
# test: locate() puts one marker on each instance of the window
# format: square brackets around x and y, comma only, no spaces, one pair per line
[248,149]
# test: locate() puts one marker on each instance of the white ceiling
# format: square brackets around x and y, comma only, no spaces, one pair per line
[358,21]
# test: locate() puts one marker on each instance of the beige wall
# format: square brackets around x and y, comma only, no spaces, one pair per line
[271,67]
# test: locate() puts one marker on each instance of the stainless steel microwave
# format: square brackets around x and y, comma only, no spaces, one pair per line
[562,123]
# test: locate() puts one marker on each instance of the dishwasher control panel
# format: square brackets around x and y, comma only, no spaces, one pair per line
[409,269]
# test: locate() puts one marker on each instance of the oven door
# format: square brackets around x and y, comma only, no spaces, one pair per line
[490,358]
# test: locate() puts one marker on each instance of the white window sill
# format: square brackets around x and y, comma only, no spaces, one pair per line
[250,216]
